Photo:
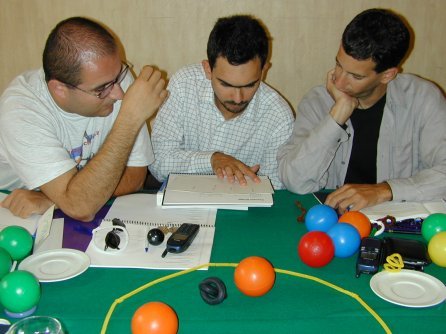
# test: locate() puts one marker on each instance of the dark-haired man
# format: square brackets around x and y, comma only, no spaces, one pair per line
[371,133]
[64,129]
[220,117]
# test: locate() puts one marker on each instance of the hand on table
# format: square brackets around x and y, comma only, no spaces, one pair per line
[358,196]
[226,165]
[24,203]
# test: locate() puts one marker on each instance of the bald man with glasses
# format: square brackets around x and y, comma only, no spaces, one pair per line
[69,135]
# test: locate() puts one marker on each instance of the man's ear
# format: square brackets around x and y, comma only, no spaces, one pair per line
[389,75]
[57,88]
[265,69]
[207,69]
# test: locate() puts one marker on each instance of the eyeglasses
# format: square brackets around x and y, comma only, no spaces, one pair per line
[105,90]
[112,238]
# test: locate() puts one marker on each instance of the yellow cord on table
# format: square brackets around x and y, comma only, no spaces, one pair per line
[286,272]
[394,263]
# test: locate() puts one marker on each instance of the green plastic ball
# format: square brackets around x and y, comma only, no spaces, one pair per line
[5,262]
[19,291]
[17,241]
[432,225]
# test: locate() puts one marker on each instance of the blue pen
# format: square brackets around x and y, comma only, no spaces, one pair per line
[146,243]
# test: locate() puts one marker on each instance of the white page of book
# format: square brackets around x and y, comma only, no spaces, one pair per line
[8,219]
[404,210]
[53,240]
[218,199]
[212,184]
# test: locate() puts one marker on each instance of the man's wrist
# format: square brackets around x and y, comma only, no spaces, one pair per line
[341,111]
[386,192]
[213,156]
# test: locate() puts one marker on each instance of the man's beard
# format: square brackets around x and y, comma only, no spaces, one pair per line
[227,105]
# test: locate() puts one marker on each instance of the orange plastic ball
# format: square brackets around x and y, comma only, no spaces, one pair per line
[154,318]
[359,220]
[254,276]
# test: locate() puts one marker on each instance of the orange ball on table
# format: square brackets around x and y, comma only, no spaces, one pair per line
[359,220]
[155,318]
[254,276]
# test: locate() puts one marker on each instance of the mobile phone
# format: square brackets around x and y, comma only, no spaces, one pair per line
[181,239]
[369,256]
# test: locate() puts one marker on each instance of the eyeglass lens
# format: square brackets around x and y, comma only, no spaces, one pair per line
[107,89]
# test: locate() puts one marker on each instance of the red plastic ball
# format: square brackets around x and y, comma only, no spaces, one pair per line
[254,276]
[359,220]
[316,249]
[154,318]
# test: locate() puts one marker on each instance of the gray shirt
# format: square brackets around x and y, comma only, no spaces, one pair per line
[411,152]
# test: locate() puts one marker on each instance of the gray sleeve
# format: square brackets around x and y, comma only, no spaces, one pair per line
[428,182]
[305,159]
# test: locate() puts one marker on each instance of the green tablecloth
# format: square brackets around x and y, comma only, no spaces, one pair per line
[294,305]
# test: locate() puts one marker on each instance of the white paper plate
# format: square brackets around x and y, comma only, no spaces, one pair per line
[56,264]
[408,288]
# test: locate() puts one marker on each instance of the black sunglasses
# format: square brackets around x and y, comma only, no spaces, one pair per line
[112,239]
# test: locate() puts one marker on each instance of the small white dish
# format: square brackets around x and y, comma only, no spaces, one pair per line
[56,264]
[408,288]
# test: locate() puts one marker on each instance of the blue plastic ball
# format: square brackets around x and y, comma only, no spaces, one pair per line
[346,239]
[320,217]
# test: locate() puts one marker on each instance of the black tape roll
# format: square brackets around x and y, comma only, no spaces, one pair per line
[212,290]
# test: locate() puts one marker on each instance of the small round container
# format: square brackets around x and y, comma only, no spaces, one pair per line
[36,325]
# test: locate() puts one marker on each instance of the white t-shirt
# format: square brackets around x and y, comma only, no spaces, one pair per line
[39,141]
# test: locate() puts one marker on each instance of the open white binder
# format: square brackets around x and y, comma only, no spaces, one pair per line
[140,213]
[210,191]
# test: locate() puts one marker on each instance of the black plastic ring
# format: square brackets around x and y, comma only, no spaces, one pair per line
[212,290]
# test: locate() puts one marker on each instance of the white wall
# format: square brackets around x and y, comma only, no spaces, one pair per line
[172,33]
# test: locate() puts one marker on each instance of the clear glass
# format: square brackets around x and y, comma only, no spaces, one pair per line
[36,325]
